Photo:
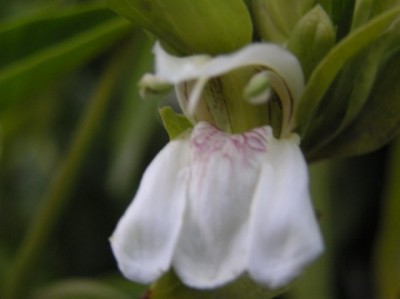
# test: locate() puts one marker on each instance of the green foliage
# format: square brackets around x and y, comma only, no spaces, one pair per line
[190,27]
[49,44]
[324,74]
[378,121]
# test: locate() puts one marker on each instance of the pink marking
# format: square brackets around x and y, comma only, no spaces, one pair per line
[208,140]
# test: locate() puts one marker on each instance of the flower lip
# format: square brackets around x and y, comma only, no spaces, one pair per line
[214,206]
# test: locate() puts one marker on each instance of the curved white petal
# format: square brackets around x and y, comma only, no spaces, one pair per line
[284,234]
[176,70]
[188,95]
[213,245]
[145,238]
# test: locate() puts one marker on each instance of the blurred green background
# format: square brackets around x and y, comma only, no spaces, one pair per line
[75,137]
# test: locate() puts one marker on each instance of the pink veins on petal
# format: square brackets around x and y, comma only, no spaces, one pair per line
[208,140]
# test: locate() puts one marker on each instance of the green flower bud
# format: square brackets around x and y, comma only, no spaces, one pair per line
[312,38]
[190,27]
[275,19]
[362,13]
[259,89]
[151,84]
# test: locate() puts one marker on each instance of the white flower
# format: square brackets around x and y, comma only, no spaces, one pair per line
[214,206]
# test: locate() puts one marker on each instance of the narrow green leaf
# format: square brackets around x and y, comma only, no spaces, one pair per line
[347,98]
[201,26]
[175,124]
[28,71]
[32,33]
[351,91]
[378,121]
[326,71]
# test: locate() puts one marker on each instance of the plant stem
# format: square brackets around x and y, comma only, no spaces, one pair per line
[56,198]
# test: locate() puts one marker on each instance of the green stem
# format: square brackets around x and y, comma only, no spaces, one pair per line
[43,224]
[387,250]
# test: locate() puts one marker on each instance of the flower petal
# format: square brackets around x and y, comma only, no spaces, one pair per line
[145,238]
[283,63]
[286,76]
[189,95]
[284,234]
[175,69]
[224,169]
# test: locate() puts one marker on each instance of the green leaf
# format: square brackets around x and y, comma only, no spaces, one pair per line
[378,121]
[38,31]
[201,26]
[351,91]
[175,124]
[326,71]
[169,286]
[41,48]
[387,255]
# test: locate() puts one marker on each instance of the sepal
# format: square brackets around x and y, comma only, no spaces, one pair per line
[185,25]
[175,124]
